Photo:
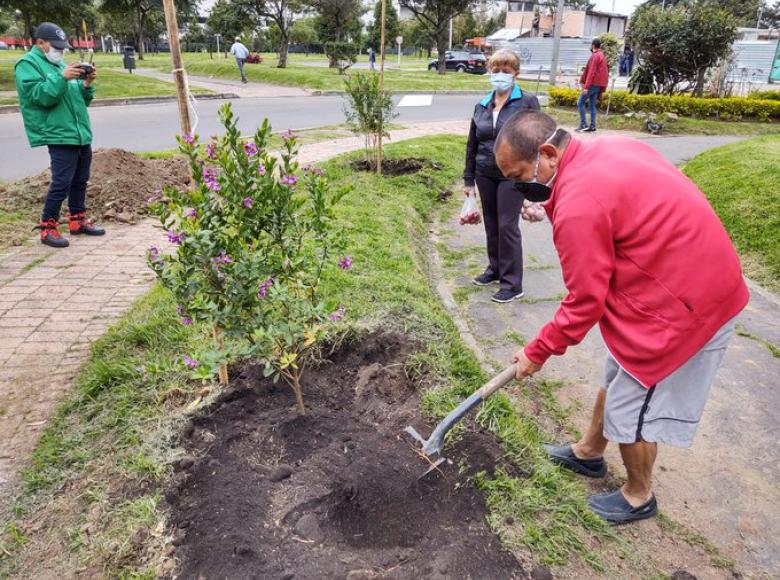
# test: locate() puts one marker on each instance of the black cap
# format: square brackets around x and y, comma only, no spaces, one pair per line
[53,34]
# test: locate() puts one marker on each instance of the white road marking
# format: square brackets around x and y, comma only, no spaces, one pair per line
[416,101]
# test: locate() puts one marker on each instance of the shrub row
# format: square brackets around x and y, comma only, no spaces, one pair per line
[730,109]
[765,95]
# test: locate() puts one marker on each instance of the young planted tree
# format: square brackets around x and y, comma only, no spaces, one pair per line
[436,15]
[251,241]
[369,112]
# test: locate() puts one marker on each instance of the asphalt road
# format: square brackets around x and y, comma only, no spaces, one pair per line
[153,127]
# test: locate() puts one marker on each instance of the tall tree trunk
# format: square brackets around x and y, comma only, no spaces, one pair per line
[140,35]
[27,29]
[284,48]
[441,46]
[698,90]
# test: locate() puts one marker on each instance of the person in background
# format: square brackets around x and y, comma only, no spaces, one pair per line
[240,52]
[644,256]
[371,58]
[500,203]
[594,81]
[53,99]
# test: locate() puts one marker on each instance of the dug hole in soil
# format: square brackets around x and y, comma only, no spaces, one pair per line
[395,167]
[266,493]
[120,185]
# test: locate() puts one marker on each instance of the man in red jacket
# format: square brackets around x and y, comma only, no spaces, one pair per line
[594,81]
[644,256]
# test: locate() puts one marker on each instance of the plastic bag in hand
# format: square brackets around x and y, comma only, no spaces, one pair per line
[469,213]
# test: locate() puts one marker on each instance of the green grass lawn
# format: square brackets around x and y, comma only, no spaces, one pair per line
[109,84]
[319,78]
[107,449]
[742,181]
[682,126]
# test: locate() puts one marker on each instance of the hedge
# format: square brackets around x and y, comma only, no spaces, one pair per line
[730,109]
[765,95]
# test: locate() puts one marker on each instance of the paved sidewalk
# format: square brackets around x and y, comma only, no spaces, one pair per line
[219,85]
[726,485]
[54,303]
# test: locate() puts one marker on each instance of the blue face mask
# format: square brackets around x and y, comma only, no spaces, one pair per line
[502,82]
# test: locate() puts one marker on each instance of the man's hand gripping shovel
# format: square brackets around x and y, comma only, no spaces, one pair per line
[431,449]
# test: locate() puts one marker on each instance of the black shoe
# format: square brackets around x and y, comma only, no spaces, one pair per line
[79,224]
[580,129]
[590,130]
[564,456]
[614,508]
[484,280]
[506,295]
[49,234]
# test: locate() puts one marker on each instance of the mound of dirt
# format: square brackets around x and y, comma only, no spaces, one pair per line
[265,493]
[394,167]
[119,187]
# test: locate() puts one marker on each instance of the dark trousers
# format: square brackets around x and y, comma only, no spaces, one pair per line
[501,205]
[69,175]
[240,62]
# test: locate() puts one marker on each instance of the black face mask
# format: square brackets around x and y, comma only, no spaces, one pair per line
[534,191]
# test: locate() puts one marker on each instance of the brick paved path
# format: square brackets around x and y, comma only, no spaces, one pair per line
[54,303]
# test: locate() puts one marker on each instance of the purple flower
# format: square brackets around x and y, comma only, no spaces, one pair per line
[337,315]
[175,238]
[263,289]
[153,253]
[261,170]
[211,150]
[185,321]
[210,179]
[248,202]
[223,258]
[289,180]
[189,139]
[288,135]
[345,263]
[250,148]
[155,197]
[190,362]
[190,213]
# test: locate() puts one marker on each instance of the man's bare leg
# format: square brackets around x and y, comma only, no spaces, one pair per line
[593,444]
[638,459]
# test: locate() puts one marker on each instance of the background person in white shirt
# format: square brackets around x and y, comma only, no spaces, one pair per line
[240,51]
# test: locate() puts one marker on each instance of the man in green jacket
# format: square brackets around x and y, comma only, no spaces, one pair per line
[53,99]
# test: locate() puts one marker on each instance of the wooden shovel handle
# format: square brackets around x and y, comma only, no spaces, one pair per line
[501,379]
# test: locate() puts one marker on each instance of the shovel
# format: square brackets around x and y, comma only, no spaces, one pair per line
[431,448]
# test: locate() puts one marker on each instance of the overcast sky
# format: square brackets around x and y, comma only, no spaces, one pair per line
[621,6]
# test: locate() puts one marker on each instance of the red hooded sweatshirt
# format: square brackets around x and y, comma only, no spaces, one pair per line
[643,255]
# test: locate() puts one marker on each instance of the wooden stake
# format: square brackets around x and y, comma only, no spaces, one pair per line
[223,370]
[178,69]
[381,87]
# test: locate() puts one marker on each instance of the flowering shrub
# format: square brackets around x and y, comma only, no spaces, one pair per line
[251,240]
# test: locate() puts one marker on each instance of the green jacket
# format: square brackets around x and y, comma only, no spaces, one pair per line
[54,110]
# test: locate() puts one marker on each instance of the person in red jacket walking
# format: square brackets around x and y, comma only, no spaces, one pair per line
[594,81]
[645,257]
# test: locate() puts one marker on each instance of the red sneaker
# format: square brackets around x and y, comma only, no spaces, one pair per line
[79,224]
[49,234]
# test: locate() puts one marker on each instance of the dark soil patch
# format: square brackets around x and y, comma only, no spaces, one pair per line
[394,167]
[265,493]
[119,187]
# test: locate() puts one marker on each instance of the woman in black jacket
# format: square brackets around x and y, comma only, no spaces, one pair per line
[501,203]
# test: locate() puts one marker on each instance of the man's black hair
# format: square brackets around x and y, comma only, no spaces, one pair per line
[596,43]
[525,131]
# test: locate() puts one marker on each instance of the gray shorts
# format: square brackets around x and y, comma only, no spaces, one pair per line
[670,411]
